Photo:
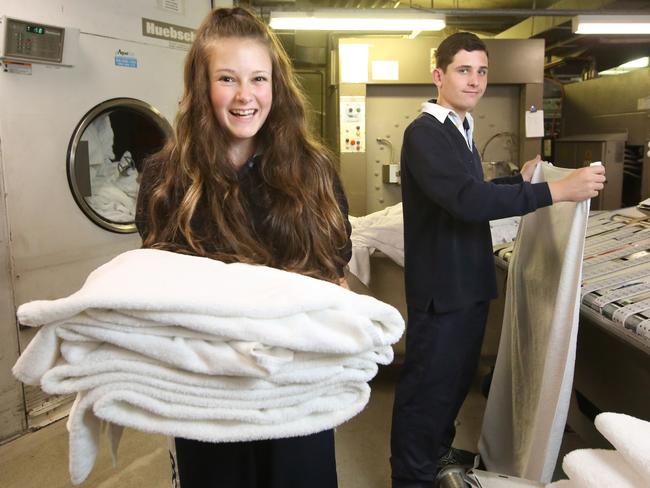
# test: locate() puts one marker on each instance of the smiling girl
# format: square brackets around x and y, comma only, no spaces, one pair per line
[243,180]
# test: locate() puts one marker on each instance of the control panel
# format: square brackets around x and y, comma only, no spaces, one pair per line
[353,124]
[33,42]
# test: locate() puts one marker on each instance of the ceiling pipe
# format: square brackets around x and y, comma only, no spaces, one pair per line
[564,43]
[506,12]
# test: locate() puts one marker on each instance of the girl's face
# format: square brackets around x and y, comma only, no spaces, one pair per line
[240,90]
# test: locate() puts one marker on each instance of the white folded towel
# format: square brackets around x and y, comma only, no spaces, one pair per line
[601,468]
[631,438]
[156,290]
[163,284]
[127,389]
[131,405]
[196,348]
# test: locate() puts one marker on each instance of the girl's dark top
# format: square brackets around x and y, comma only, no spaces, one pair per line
[250,181]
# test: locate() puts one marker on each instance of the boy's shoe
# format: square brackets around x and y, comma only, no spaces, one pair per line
[457,457]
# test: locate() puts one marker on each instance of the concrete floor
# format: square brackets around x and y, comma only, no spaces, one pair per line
[39,459]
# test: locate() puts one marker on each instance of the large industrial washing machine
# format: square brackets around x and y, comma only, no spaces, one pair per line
[88,89]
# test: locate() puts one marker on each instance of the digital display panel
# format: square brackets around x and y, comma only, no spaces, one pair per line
[36,29]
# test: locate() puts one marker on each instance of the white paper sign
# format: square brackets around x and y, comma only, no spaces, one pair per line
[353,63]
[385,70]
[535,123]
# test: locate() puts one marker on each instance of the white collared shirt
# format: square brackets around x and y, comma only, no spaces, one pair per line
[441,113]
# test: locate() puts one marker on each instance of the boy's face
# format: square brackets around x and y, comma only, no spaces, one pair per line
[463,83]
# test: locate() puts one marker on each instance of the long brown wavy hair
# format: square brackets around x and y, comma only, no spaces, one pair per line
[194,204]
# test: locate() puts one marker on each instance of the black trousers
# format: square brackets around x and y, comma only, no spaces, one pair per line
[442,352]
[296,462]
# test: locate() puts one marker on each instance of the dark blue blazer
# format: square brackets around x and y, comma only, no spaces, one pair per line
[447,208]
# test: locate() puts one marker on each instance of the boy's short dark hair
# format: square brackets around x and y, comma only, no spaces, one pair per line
[457,42]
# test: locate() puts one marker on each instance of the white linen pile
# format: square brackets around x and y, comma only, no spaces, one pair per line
[383,231]
[195,348]
[529,396]
[628,466]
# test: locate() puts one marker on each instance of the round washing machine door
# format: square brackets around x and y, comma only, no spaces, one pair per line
[105,158]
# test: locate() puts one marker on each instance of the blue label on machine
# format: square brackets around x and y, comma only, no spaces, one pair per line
[125,59]
[126,62]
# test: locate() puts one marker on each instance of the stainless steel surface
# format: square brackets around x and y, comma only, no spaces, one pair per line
[581,150]
[620,107]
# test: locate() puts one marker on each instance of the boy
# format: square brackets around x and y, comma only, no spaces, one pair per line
[449,266]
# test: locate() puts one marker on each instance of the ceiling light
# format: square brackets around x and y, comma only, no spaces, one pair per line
[611,24]
[636,63]
[396,20]
[627,67]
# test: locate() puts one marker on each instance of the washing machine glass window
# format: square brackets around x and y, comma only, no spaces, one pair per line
[105,157]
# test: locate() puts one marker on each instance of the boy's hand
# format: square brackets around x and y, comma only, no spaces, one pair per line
[528,168]
[578,185]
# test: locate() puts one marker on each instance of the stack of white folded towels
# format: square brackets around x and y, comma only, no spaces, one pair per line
[195,348]
[626,466]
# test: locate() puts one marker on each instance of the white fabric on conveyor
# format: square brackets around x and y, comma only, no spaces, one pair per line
[383,231]
[529,396]
[192,347]
[504,230]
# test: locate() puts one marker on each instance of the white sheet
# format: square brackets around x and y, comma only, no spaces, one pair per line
[529,396]
[382,230]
